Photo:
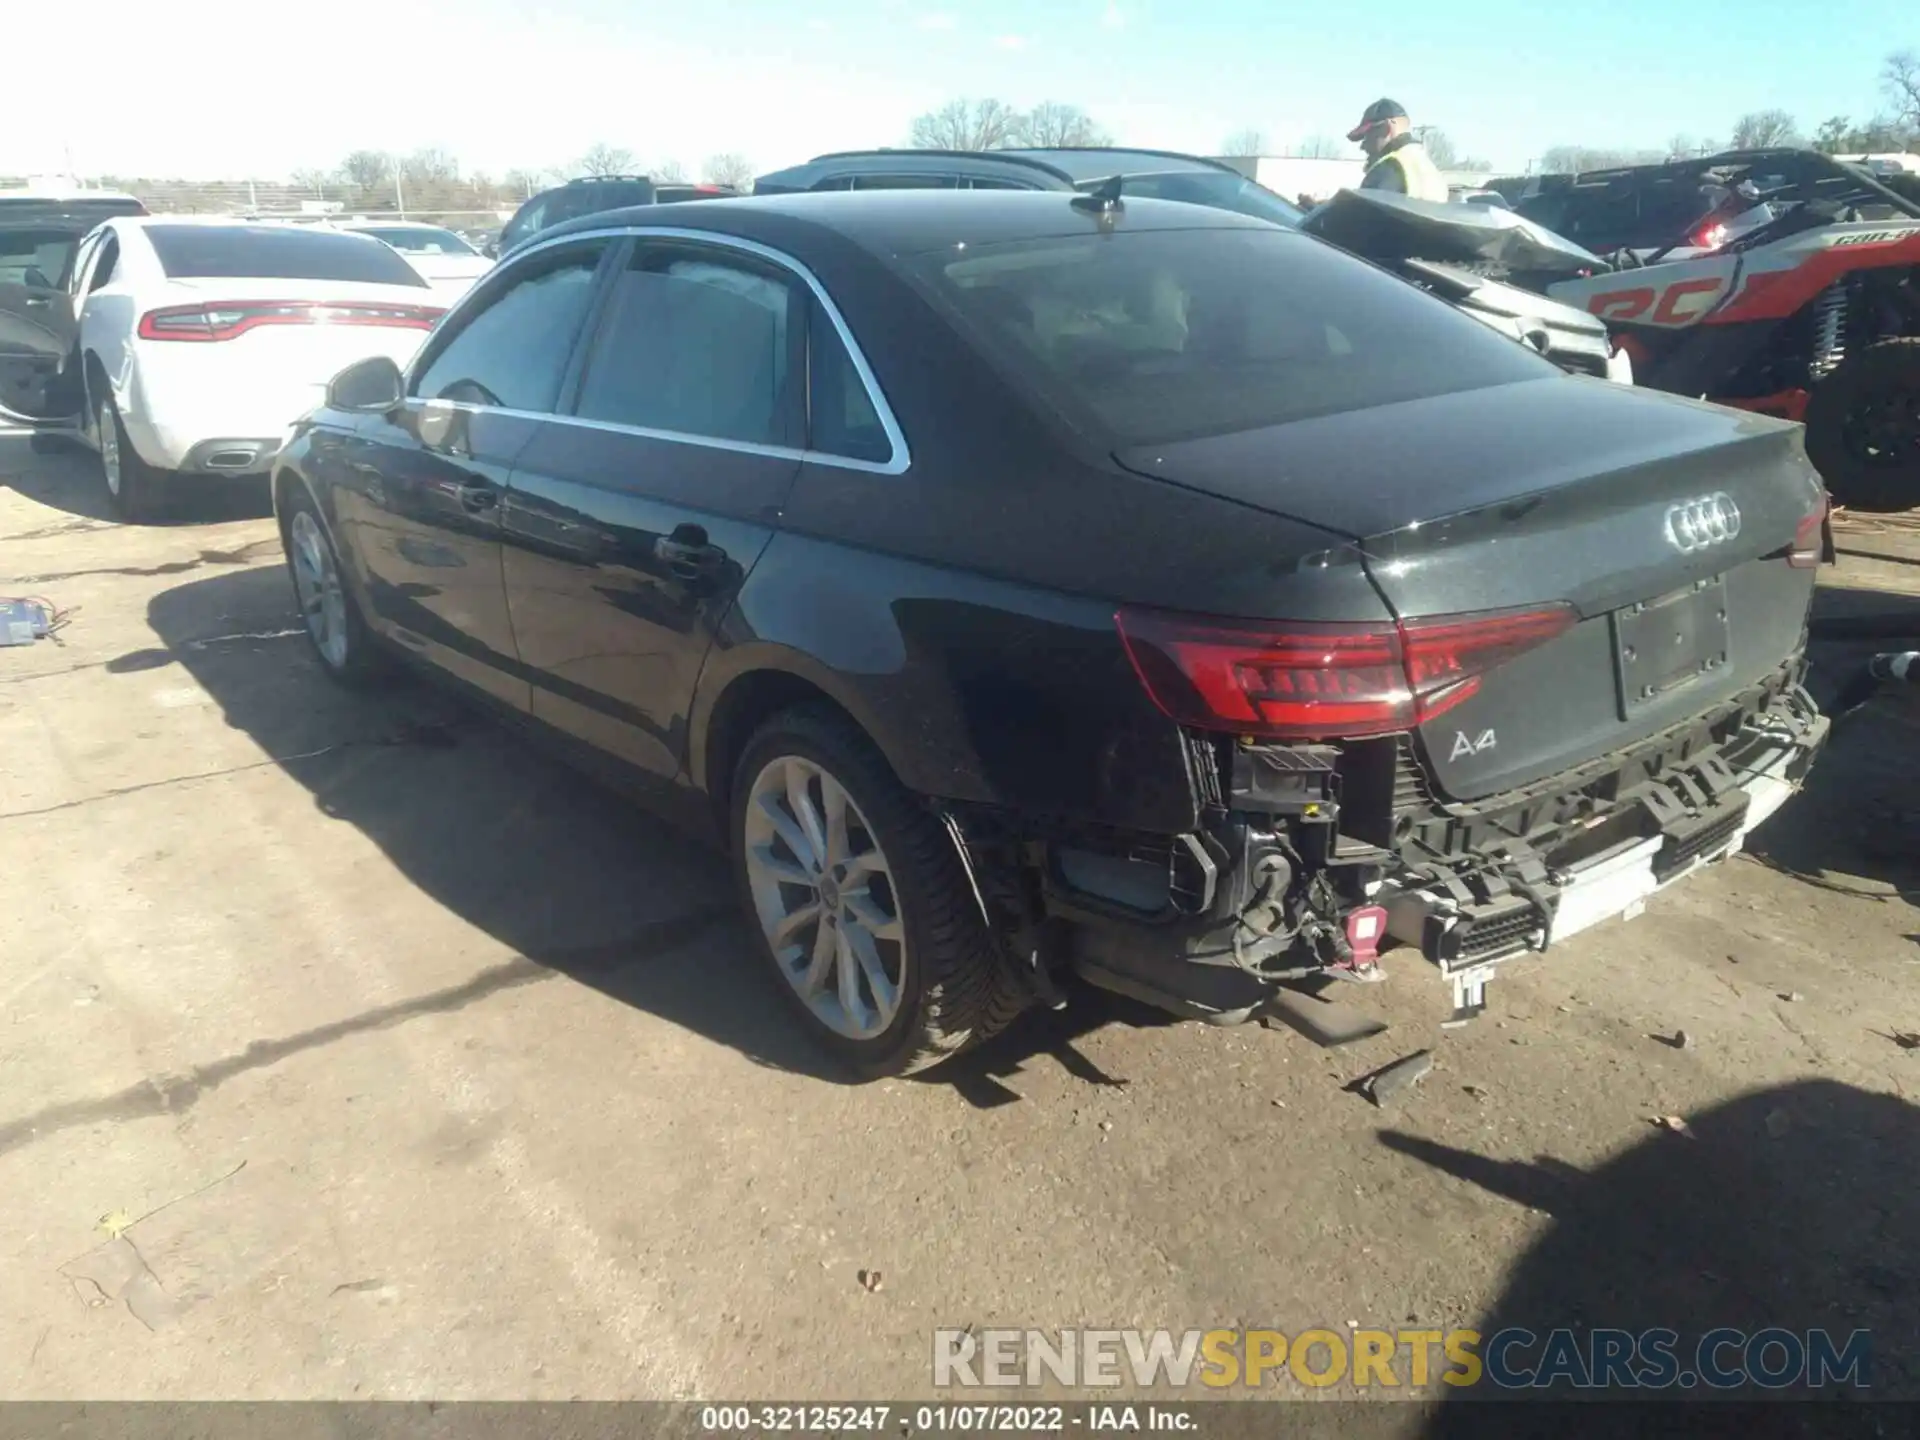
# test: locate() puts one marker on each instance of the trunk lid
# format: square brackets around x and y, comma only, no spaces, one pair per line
[1558,491]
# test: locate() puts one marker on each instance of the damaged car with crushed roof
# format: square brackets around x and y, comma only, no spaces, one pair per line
[1029,586]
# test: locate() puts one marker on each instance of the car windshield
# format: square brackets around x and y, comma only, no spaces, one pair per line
[288,252]
[1220,189]
[419,239]
[1165,335]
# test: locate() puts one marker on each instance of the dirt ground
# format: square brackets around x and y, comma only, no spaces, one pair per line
[354,1048]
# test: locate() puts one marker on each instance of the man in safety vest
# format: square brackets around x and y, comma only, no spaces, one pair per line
[1396,160]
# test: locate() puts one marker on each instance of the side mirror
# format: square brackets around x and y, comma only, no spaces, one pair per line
[373,385]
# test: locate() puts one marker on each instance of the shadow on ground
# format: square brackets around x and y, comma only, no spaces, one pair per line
[64,476]
[573,877]
[1856,827]
[1792,1207]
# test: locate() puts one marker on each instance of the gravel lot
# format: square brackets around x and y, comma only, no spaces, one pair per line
[354,1048]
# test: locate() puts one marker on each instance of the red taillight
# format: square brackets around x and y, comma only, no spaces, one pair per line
[226,319]
[1324,681]
[1810,538]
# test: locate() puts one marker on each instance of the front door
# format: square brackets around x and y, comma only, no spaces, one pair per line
[38,328]
[632,521]
[423,486]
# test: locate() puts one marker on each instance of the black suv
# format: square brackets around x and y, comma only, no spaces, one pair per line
[592,194]
[1153,174]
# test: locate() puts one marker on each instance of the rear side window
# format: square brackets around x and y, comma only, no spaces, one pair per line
[284,252]
[513,354]
[841,419]
[693,346]
[1156,336]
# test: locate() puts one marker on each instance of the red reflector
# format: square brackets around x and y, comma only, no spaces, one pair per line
[226,319]
[1366,928]
[1809,538]
[1711,237]
[1324,681]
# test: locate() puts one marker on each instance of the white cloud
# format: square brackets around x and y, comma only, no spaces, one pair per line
[1113,17]
[939,21]
[1010,42]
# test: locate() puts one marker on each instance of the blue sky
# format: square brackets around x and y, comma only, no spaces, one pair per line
[228,88]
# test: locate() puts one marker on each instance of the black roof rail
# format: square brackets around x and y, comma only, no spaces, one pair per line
[1003,157]
[592,179]
[1206,160]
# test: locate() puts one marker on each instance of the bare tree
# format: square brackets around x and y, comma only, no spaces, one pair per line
[1900,78]
[1764,129]
[1684,147]
[728,169]
[605,159]
[1439,146]
[1249,141]
[1321,147]
[522,183]
[367,168]
[967,125]
[429,166]
[312,179]
[671,171]
[1051,123]
[1573,159]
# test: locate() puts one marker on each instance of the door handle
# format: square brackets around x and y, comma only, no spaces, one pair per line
[37,302]
[688,553]
[478,496]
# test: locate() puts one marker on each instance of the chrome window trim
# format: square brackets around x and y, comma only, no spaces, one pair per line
[898,463]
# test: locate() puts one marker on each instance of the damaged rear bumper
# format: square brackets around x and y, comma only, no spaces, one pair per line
[1468,913]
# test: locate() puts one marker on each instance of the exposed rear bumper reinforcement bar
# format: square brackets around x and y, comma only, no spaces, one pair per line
[1513,909]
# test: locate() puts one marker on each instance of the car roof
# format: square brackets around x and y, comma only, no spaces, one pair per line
[907,222]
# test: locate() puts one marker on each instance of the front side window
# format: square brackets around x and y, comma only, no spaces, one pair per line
[513,353]
[1156,336]
[694,344]
[103,273]
[36,256]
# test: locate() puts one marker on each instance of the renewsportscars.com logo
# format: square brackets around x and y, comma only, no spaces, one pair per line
[1510,1359]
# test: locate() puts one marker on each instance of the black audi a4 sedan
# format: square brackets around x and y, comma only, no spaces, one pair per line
[1029,586]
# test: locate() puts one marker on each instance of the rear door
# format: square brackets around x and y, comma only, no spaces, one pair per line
[632,521]
[422,511]
[38,327]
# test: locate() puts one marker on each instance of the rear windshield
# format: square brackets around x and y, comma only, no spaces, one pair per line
[1215,188]
[1167,335]
[285,252]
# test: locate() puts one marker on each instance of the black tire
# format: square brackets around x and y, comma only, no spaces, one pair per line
[1873,469]
[358,661]
[139,493]
[955,991]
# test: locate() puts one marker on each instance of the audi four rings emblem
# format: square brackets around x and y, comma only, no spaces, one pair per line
[1695,524]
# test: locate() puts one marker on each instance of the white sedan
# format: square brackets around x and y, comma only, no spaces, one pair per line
[200,342]
[445,261]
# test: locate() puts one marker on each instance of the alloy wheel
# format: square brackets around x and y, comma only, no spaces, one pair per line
[824,895]
[316,582]
[109,447]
